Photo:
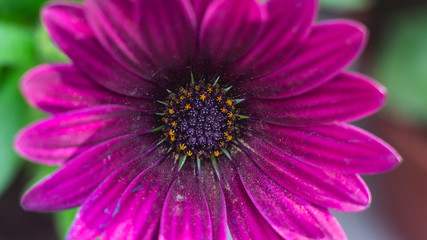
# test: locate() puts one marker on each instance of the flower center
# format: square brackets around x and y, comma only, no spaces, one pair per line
[199,120]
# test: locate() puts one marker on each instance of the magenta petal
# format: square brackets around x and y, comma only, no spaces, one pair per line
[337,147]
[347,97]
[291,216]
[200,7]
[137,216]
[329,48]
[55,140]
[72,184]
[67,26]
[346,192]
[288,24]
[244,219]
[168,30]
[101,205]
[60,88]
[215,199]
[230,28]
[185,214]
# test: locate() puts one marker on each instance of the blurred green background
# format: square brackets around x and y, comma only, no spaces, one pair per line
[396,56]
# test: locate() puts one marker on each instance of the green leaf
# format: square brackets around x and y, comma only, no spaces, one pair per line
[402,63]
[16,46]
[23,11]
[346,5]
[63,220]
[13,111]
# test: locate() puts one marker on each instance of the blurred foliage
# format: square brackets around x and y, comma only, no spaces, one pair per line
[346,5]
[20,11]
[402,63]
[16,45]
[63,220]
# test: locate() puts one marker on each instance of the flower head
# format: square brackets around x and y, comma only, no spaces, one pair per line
[177,118]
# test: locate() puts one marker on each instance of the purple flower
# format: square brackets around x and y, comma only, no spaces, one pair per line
[177,118]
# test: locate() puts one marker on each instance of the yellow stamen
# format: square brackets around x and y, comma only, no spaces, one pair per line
[223,110]
[209,90]
[187,106]
[216,153]
[229,122]
[222,144]
[230,114]
[229,138]
[219,99]
[174,124]
[197,87]
[203,97]
[229,102]
[171,111]
[182,97]
[182,146]
[172,132]
[173,138]
[189,153]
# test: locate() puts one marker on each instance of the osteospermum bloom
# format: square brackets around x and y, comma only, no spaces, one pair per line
[178,118]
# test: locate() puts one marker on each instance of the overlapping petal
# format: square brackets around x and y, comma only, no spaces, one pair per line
[57,139]
[291,216]
[215,199]
[102,204]
[345,192]
[347,97]
[185,214]
[244,219]
[59,88]
[68,27]
[72,184]
[329,48]
[139,210]
[230,28]
[287,26]
[337,147]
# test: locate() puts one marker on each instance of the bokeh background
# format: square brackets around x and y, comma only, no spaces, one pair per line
[396,56]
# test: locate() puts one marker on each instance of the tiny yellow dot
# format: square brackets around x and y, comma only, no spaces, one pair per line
[187,106]
[229,102]
[171,111]
[219,99]
[223,110]
[174,124]
[209,90]
[203,97]
[182,97]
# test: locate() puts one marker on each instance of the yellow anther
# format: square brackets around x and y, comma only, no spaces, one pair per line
[182,97]
[200,153]
[203,97]
[223,110]
[197,87]
[171,111]
[173,138]
[217,90]
[174,123]
[189,94]
[182,146]
[189,153]
[219,99]
[172,132]
[209,90]
[229,102]
[216,153]
[187,106]
[222,144]
[229,138]
[230,114]
[229,122]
